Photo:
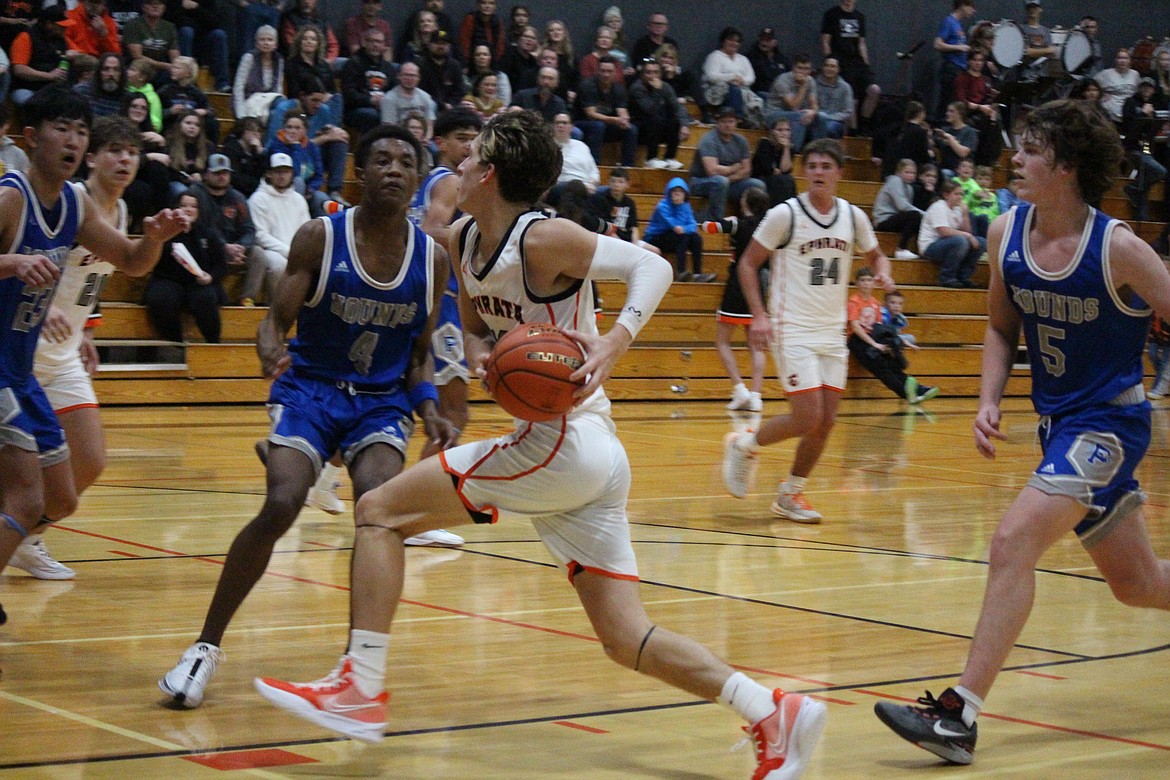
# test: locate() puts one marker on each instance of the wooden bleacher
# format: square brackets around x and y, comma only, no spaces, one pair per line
[674,358]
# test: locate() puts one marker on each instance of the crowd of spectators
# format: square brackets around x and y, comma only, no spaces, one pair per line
[299,86]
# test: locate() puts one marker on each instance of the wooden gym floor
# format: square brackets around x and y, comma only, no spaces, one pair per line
[494,669]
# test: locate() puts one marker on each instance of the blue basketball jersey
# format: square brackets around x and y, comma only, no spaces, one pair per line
[1084,339]
[421,203]
[23,308]
[355,328]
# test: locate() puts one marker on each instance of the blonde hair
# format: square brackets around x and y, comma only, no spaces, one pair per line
[191,64]
[565,47]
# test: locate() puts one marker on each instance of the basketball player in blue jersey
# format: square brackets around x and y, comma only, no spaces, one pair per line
[66,357]
[433,209]
[41,216]
[363,287]
[569,477]
[1081,286]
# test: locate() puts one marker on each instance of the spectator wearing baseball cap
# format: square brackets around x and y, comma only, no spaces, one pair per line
[440,75]
[1139,127]
[278,212]
[227,210]
[767,60]
[36,55]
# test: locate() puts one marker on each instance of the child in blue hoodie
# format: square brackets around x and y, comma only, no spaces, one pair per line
[673,228]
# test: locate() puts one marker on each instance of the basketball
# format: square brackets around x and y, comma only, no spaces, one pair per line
[528,372]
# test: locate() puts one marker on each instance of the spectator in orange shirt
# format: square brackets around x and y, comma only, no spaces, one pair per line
[94,31]
[877,347]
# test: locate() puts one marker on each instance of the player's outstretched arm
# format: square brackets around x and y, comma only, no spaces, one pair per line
[420,374]
[296,287]
[999,349]
[558,252]
[133,257]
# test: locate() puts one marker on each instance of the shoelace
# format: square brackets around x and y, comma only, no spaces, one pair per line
[212,654]
[934,705]
[758,744]
[333,681]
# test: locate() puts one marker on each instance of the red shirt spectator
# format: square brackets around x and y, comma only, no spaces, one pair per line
[93,31]
[370,16]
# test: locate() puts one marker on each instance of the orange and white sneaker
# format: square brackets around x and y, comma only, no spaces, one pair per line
[795,507]
[334,702]
[786,739]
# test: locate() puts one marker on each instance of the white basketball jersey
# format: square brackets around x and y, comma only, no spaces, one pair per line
[82,280]
[811,258]
[502,298]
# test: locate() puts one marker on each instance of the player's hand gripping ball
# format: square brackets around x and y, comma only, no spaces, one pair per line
[528,372]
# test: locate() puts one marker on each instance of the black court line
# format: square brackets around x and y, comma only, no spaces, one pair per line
[538,719]
[670,586]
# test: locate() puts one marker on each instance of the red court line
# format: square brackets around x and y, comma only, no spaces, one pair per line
[572,725]
[124,554]
[1037,724]
[424,605]
[1040,674]
[249,759]
[216,561]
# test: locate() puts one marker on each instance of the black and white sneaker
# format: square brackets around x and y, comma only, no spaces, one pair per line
[936,726]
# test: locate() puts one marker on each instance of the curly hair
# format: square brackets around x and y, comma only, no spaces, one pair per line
[1080,137]
[527,158]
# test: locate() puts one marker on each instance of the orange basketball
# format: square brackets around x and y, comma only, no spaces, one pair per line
[528,372]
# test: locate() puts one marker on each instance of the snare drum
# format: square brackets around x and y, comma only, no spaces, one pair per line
[1075,50]
[1007,43]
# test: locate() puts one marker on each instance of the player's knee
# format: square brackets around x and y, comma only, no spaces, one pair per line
[89,469]
[60,506]
[279,512]
[371,510]
[1011,547]
[873,90]
[620,647]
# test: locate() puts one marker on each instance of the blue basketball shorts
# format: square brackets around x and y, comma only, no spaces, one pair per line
[447,343]
[28,422]
[320,417]
[1090,456]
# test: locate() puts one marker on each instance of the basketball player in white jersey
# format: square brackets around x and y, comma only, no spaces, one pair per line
[570,476]
[66,357]
[810,240]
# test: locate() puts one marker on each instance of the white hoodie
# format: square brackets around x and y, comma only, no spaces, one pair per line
[277,216]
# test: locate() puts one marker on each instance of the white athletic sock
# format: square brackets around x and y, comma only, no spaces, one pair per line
[747,442]
[794,484]
[328,476]
[747,698]
[972,706]
[739,389]
[367,654]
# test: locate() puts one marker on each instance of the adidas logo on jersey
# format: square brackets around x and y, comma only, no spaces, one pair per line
[341,267]
[1014,257]
[1048,468]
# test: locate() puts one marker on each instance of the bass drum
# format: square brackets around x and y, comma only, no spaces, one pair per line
[1007,43]
[1075,51]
